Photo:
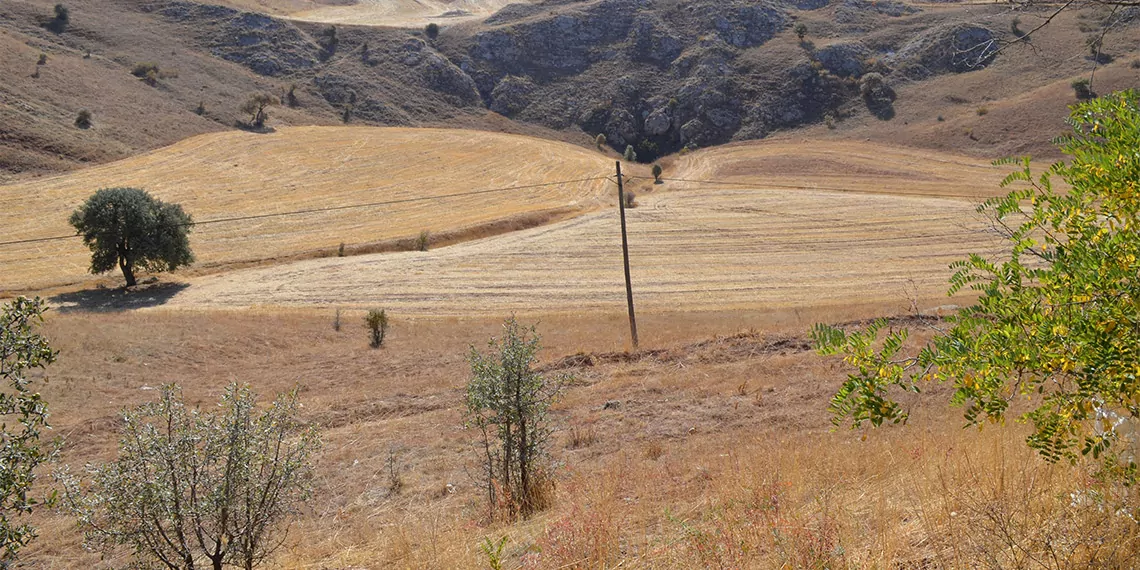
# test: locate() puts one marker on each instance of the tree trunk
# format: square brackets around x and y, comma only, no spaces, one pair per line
[128,273]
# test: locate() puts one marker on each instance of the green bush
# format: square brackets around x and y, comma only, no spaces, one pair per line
[432,30]
[83,119]
[629,155]
[377,322]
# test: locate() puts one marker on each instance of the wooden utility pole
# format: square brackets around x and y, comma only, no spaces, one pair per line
[625,254]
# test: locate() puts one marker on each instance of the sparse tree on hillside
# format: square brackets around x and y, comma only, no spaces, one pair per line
[1055,324]
[83,119]
[1083,90]
[432,30]
[630,155]
[23,416]
[129,229]
[61,19]
[801,31]
[657,170]
[257,107]
[507,401]
[191,486]
[600,141]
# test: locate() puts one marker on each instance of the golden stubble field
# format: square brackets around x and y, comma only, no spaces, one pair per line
[405,13]
[235,174]
[781,225]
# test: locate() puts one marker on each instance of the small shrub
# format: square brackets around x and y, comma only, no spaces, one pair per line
[1135,64]
[151,78]
[582,436]
[1015,27]
[432,30]
[62,18]
[829,120]
[291,96]
[365,51]
[395,473]
[801,31]
[201,108]
[983,111]
[340,250]
[36,73]
[346,114]
[42,60]
[1083,90]
[377,323]
[83,119]
[657,170]
[87,54]
[941,118]
[630,155]
[423,241]
[336,321]
[600,140]
[143,68]
[630,199]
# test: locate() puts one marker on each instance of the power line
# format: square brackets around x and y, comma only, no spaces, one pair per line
[765,185]
[334,208]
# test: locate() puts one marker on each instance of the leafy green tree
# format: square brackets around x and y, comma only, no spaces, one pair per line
[23,417]
[1057,320]
[657,170]
[127,228]
[508,401]
[801,31]
[194,488]
[630,155]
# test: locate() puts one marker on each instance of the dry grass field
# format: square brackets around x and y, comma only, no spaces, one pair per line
[785,225]
[401,13]
[234,174]
[715,450]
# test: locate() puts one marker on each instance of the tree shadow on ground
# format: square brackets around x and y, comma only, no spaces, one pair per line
[117,299]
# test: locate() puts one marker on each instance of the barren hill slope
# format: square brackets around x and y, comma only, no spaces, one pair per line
[235,174]
[657,75]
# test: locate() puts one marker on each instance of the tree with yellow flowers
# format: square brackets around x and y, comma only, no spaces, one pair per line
[1057,320]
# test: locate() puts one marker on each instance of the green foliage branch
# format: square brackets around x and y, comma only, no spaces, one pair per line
[23,418]
[193,487]
[508,402]
[1057,322]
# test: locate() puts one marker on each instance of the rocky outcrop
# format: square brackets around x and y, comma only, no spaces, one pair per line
[844,60]
[953,48]
[511,95]
[266,45]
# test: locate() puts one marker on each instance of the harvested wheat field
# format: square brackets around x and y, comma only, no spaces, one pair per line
[796,225]
[398,13]
[236,174]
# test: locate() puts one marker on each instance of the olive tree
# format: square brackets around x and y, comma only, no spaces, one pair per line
[23,417]
[257,107]
[197,488]
[129,229]
[507,401]
[1057,318]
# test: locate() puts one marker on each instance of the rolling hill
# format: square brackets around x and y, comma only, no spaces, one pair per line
[329,169]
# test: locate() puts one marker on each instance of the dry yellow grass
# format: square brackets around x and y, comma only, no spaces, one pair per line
[405,13]
[801,224]
[718,456]
[234,174]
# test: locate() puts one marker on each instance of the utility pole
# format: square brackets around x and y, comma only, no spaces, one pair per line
[625,254]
